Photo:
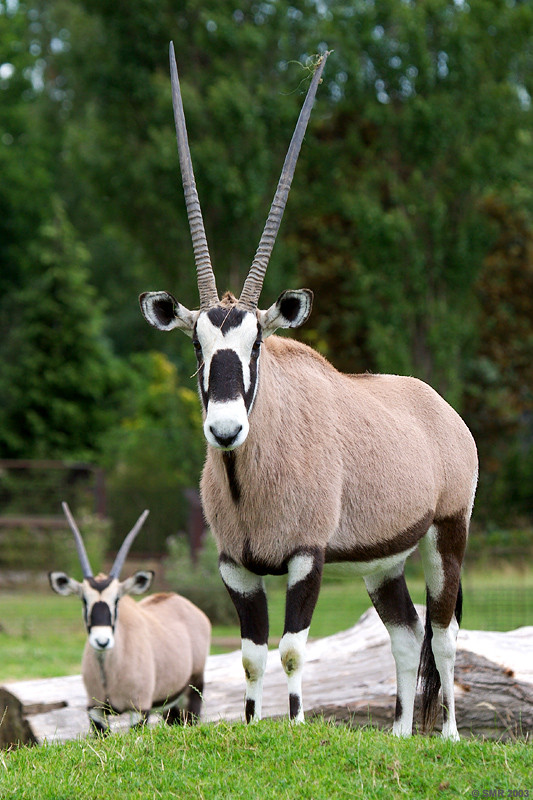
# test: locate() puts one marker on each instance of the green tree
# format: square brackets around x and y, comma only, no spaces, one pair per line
[424,113]
[27,146]
[500,389]
[119,168]
[57,374]
[155,451]
[430,119]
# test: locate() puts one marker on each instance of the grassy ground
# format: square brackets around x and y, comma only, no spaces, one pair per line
[270,759]
[42,635]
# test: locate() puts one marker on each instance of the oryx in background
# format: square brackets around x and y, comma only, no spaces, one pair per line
[138,656]
[306,465]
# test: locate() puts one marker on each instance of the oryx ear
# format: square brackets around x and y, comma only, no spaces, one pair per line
[164,312]
[291,309]
[138,583]
[62,584]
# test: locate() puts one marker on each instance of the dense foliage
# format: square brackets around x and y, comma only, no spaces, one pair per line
[410,216]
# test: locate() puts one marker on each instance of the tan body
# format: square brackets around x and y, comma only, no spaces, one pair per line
[306,465]
[161,645]
[357,465]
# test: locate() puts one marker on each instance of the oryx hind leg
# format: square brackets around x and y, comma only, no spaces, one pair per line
[195,692]
[390,596]
[442,551]
[303,585]
[247,590]
[185,710]
[98,717]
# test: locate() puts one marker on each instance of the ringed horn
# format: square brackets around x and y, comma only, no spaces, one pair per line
[206,278]
[121,555]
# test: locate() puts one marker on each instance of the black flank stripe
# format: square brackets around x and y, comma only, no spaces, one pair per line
[401,542]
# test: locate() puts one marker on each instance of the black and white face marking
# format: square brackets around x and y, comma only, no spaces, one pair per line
[227,340]
[100,599]
[100,609]
[228,344]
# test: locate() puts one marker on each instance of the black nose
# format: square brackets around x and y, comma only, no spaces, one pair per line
[102,643]
[226,441]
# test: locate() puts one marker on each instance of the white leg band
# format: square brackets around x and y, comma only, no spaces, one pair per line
[254,657]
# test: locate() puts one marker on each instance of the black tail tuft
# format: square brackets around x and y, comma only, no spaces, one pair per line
[428,673]
[459,605]
[429,677]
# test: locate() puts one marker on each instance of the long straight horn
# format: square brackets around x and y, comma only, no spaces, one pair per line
[80,547]
[254,282]
[118,563]
[206,278]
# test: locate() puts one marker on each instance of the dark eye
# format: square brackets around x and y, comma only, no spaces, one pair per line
[256,345]
[197,347]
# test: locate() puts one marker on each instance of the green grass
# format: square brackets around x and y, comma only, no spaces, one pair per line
[269,760]
[43,636]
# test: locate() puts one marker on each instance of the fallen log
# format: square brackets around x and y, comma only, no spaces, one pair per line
[349,677]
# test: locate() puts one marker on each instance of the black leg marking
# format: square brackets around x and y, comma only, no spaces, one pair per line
[302,595]
[100,729]
[452,533]
[294,705]
[304,577]
[195,698]
[393,602]
[252,609]
[443,613]
[246,589]
[143,720]
[175,716]
[399,708]
[249,709]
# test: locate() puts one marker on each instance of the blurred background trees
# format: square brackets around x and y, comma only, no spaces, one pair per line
[410,216]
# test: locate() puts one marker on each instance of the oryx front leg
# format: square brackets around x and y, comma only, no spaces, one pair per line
[247,591]
[303,585]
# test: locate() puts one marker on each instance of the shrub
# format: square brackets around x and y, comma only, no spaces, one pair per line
[34,548]
[154,453]
[201,582]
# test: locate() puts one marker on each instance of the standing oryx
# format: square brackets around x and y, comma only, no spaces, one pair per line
[138,656]
[307,465]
